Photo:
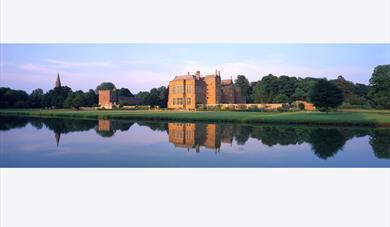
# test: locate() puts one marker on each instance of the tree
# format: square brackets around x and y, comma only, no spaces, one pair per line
[91,98]
[142,95]
[361,90]
[354,94]
[299,94]
[379,91]
[266,89]
[78,100]
[153,98]
[156,97]
[57,96]
[243,84]
[105,86]
[281,98]
[36,98]
[10,98]
[163,96]
[124,92]
[251,92]
[326,95]
[304,86]
[287,86]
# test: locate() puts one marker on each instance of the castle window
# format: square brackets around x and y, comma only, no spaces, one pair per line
[188,101]
[188,88]
[174,101]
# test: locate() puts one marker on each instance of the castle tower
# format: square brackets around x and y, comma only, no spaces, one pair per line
[58,81]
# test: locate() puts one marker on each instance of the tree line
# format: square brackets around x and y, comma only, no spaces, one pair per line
[64,97]
[323,93]
[58,97]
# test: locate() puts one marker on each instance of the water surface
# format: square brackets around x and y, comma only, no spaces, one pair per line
[57,142]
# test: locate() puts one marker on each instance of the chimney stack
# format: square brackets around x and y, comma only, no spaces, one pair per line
[198,73]
[219,73]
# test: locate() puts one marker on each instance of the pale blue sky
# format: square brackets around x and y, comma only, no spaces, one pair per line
[144,66]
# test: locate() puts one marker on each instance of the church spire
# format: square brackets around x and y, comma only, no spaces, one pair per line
[58,81]
[57,135]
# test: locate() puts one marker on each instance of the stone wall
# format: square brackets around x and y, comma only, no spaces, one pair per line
[265,106]
[107,99]
[182,94]
[213,89]
[227,93]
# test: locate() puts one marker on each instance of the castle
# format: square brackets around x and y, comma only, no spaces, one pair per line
[185,92]
[188,91]
[110,98]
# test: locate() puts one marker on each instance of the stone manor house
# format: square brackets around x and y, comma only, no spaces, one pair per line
[188,91]
[185,92]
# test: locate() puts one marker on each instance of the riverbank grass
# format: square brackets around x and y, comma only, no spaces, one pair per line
[374,118]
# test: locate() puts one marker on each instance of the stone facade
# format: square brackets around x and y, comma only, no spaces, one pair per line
[188,91]
[307,105]
[109,99]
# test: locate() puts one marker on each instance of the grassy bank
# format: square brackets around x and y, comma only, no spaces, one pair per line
[348,118]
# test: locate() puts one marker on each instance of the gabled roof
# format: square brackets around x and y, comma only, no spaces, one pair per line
[211,76]
[184,77]
[226,82]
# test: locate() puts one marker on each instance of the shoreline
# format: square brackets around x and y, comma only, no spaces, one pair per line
[373,119]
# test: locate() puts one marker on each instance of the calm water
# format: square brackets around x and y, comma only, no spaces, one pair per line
[53,142]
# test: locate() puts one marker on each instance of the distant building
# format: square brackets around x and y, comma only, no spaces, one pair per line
[110,98]
[187,91]
[306,105]
[58,81]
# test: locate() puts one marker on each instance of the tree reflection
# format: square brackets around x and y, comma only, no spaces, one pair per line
[380,142]
[8,122]
[67,125]
[242,134]
[326,142]
[155,126]
[270,135]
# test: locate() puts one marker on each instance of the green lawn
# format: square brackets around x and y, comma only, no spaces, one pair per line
[378,118]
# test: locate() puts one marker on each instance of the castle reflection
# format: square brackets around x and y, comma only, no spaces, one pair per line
[325,142]
[107,128]
[104,125]
[190,135]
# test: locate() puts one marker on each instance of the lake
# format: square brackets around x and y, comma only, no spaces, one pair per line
[65,142]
